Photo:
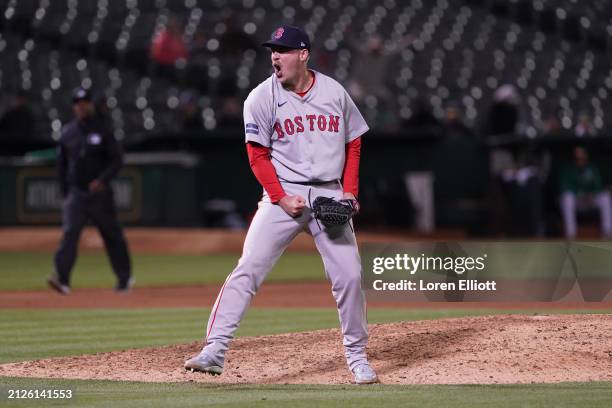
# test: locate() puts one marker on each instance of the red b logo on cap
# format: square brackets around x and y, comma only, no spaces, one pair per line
[279,33]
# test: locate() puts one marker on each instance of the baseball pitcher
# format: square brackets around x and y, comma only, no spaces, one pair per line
[303,138]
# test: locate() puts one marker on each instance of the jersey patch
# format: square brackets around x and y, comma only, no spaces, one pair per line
[252,128]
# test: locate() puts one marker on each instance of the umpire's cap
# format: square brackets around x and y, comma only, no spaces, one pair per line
[81,94]
[289,37]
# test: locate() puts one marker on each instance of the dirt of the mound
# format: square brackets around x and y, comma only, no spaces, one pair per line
[475,350]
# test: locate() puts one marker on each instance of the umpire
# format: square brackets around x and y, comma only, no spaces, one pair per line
[88,158]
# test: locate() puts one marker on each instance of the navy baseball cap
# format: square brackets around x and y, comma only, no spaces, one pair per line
[81,94]
[289,37]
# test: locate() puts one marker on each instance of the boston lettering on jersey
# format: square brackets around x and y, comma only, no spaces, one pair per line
[311,123]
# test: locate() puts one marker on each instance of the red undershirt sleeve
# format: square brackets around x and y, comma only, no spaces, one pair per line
[259,160]
[350,174]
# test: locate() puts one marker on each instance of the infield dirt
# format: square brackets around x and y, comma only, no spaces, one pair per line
[475,350]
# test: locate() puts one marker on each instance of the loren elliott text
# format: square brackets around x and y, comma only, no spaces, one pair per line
[462,284]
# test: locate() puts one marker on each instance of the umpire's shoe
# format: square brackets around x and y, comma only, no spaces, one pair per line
[125,286]
[364,374]
[204,364]
[55,284]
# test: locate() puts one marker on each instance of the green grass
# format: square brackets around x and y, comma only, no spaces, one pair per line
[133,394]
[27,271]
[30,334]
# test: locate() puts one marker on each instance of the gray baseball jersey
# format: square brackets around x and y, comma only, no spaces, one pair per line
[307,135]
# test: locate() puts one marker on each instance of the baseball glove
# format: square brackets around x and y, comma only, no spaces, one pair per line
[333,212]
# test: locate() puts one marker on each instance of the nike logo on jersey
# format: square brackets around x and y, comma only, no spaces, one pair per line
[281,104]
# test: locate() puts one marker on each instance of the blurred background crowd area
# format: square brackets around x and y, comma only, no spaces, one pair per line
[486,99]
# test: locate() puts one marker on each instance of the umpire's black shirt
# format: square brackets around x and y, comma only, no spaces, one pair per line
[87,151]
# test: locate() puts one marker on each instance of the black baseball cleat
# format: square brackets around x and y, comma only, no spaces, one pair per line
[125,287]
[57,286]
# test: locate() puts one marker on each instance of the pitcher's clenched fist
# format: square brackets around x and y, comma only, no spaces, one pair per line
[293,205]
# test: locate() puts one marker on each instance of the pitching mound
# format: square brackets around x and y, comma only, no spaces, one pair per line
[478,350]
